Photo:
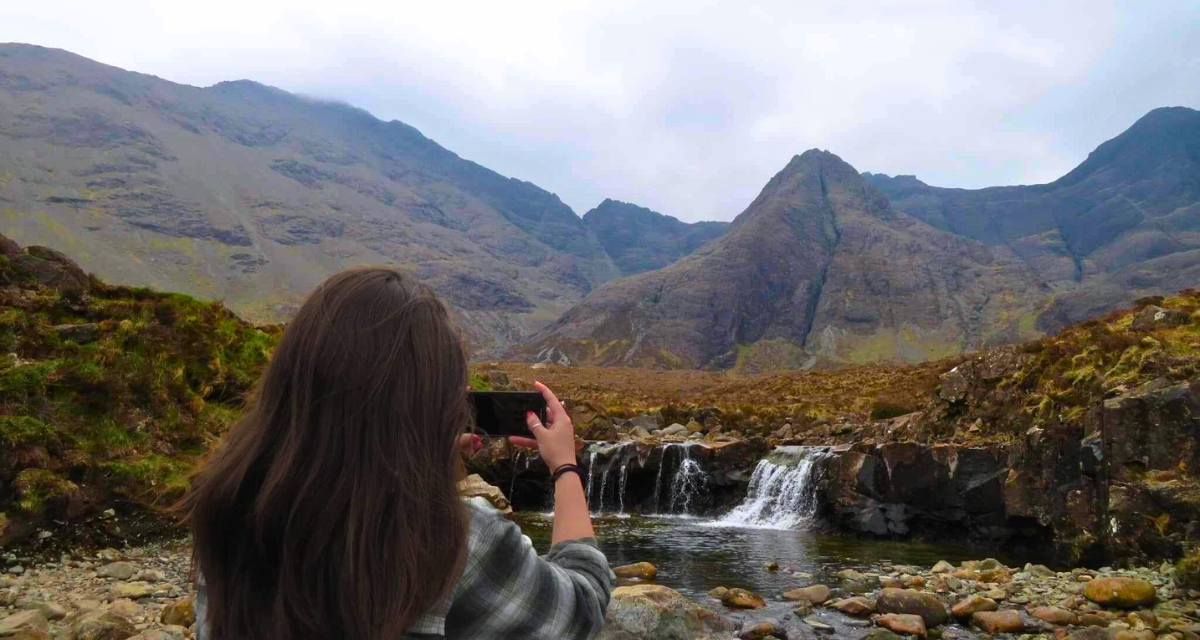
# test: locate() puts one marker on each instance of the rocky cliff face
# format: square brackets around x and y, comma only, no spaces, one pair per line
[1119,226]
[819,270]
[638,239]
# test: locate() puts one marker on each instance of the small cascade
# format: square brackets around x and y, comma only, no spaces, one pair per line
[782,492]
[621,485]
[613,460]
[686,482]
[591,480]
[512,485]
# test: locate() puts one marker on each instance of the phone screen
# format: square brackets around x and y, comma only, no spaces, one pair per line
[502,413]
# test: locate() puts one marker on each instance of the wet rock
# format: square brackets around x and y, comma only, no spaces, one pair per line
[131,590]
[857,607]
[742,599]
[102,625]
[998,621]
[655,612]
[1055,615]
[818,626]
[1119,591]
[856,577]
[718,593]
[118,570]
[1094,620]
[1090,633]
[674,430]
[943,567]
[907,601]
[762,630]
[21,620]
[902,623]
[181,612]
[816,594]
[474,486]
[642,570]
[971,605]
[879,633]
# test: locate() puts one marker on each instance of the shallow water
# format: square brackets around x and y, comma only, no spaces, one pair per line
[695,555]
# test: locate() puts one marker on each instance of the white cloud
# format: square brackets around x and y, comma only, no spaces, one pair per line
[687,107]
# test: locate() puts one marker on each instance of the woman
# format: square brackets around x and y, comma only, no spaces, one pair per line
[331,510]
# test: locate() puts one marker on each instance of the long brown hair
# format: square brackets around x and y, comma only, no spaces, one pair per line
[331,511]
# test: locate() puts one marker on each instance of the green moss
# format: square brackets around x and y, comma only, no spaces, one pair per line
[1187,570]
[479,382]
[25,430]
[35,486]
[154,473]
[23,385]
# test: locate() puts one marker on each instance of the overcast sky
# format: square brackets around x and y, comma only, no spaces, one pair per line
[685,106]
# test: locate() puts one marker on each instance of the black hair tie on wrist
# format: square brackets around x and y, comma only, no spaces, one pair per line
[566,468]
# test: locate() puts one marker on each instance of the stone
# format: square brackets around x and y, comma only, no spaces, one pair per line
[1040,571]
[640,570]
[156,634]
[1134,634]
[118,570]
[126,607]
[1055,615]
[131,590]
[150,575]
[907,601]
[30,634]
[1008,621]
[28,619]
[857,607]
[742,599]
[694,427]
[52,610]
[856,577]
[902,623]
[1093,620]
[990,564]
[879,633]
[718,592]
[816,594]
[1153,317]
[971,605]
[102,624]
[675,429]
[79,333]
[474,486]
[1121,592]
[1090,633]
[654,612]
[943,567]
[762,630]
[108,555]
[956,381]
[771,566]
[818,626]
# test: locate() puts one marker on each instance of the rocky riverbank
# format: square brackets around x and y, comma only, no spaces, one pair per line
[975,599]
[145,593]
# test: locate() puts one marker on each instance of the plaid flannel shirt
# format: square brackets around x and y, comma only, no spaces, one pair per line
[507,591]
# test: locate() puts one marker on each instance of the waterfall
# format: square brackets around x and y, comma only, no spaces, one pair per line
[685,484]
[608,455]
[782,492]
[621,485]
[512,485]
[591,481]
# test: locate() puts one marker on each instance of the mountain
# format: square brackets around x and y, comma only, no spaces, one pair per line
[249,194]
[638,239]
[818,270]
[1124,224]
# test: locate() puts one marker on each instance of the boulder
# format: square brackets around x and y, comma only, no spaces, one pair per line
[21,620]
[761,630]
[655,612]
[1121,592]
[643,570]
[1055,615]
[742,599]
[131,590]
[943,567]
[998,621]
[645,423]
[902,623]
[474,486]
[125,607]
[956,382]
[718,593]
[117,570]
[816,594]
[857,607]
[1039,571]
[674,430]
[102,624]
[908,601]
[181,612]
[52,610]
[971,605]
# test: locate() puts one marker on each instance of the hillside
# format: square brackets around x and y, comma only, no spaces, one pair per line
[108,394]
[252,195]
[1123,224]
[829,268]
[817,271]
[638,239]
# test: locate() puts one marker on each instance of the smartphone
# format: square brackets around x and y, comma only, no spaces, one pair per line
[502,413]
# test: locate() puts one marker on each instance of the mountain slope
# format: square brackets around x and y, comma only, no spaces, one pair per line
[818,270]
[249,194]
[1123,224]
[638,239]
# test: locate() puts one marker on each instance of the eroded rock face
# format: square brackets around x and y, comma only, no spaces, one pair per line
[654,612]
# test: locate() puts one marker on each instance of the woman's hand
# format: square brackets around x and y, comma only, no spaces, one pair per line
[554,440]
